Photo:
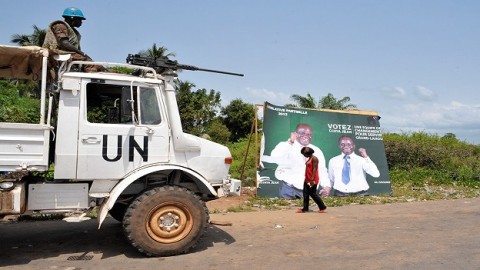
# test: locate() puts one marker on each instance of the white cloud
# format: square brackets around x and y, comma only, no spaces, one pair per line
[424,93]
[394,92]
[453,117]
[261,95]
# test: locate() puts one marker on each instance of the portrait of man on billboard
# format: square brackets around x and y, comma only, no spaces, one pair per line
[291,163]
[347,171]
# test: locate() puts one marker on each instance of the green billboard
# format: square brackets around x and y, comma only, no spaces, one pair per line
[345,142]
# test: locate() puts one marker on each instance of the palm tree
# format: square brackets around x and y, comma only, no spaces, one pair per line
[157,52]
[303,102]
[34,39]
[330,102]
[21,39]
[326,102]
[38,36]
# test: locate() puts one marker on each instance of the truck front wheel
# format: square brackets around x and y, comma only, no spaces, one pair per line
[165,221]
[118,211]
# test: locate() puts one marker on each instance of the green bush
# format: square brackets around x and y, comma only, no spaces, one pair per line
[422,156]
[16,108]
[413,159]
[240,155]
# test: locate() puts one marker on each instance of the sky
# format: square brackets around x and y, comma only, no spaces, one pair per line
[415,62]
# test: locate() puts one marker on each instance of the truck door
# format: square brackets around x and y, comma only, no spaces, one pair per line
[122,127]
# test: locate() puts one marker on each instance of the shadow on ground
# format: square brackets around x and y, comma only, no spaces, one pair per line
[26,241]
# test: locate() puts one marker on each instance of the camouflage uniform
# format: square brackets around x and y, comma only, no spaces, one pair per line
[58,30]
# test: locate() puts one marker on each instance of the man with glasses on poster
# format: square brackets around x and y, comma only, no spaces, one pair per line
[347,171]
[291,163]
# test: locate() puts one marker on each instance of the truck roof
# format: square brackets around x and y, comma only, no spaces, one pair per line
[112,76]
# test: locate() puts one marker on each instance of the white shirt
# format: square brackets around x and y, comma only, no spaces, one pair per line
[359,167]
[291,163]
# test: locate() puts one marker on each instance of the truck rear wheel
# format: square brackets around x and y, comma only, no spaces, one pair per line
[165,221]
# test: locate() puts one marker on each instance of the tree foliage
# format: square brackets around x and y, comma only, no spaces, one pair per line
[197,108]
[34,39]
[238,116]
[330,102]
[218,132]
[326,102]
[17,108]
[157,52]
[303,102]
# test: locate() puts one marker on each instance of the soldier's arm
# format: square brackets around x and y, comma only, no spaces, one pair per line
[61,34]
[67,46]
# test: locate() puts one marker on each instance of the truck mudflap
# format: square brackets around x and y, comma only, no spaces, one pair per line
[120,187]
[12,200]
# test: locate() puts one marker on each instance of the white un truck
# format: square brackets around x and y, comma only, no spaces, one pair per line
[116,142]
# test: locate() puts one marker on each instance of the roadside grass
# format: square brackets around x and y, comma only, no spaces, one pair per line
[416,184]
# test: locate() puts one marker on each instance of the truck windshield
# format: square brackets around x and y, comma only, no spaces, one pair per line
[149,110]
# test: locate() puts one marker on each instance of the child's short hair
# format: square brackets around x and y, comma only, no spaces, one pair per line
[307,151]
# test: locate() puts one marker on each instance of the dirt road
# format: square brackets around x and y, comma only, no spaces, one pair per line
[417,235]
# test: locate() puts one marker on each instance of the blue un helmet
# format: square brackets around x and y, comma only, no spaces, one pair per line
[73,12]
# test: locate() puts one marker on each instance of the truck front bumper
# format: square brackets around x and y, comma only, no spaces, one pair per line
[230,187]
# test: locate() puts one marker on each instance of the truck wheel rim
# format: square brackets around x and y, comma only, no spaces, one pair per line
[169,223]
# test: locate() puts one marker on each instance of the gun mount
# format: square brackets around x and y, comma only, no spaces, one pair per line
[166,64]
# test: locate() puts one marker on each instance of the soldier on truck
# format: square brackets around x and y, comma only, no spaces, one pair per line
[63,37]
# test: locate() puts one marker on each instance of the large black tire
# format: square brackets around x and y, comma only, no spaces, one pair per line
[118,211]
[165,221]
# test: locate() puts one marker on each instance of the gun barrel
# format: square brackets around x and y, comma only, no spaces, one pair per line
[170,64]
[221,72]
[194,68]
